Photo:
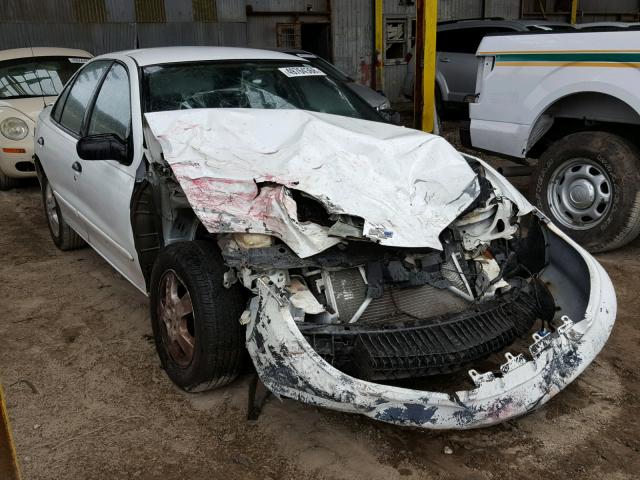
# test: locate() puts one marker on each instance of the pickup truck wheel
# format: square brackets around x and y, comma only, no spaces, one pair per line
[7,183]
[589,185]
[64,237]
[195,319]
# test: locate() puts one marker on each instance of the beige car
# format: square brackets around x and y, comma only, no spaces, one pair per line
[30,79]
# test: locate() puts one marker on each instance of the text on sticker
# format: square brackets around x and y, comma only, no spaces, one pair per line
[302,71]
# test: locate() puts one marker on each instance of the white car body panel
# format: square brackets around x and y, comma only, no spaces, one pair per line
[516,90]
[409,187]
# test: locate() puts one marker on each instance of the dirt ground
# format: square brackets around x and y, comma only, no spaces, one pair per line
[88,399]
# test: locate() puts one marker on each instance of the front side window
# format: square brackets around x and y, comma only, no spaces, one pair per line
[80,94]
[263,85]
[36,77]
[112,110]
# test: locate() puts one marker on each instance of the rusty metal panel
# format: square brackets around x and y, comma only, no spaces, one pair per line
[232,34]
[177,33]
[509,9]
[120,11]
[231,10]
[289,5]
[261,30]
[36,11]
[150,11]
[453,9]
[352,27]
[95,38]
[178,11]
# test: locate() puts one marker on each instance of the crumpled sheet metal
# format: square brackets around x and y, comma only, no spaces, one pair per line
[232,163]
[289,367]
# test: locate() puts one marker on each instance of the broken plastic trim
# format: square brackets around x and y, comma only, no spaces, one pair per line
[289,367]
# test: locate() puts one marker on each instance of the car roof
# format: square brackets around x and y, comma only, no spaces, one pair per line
[520,25]
[42,52]
[160,55]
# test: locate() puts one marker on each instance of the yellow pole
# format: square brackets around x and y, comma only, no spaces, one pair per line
[574,11]
[379,45]
[430,24]
[8,459]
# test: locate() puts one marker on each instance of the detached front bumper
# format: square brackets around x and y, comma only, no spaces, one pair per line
[289,366]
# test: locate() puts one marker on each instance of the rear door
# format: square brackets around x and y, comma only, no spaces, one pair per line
[106,186]
[457,60]
[57,136]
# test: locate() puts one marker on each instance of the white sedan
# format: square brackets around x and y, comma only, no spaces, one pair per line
[264,207]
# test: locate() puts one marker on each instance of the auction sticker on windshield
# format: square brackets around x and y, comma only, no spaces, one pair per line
[302,71]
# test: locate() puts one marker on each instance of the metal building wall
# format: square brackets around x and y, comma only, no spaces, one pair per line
[101,26]
[261,29]
[588,10]
[352,25]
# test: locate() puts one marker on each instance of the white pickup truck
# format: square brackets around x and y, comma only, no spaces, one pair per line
[571,101]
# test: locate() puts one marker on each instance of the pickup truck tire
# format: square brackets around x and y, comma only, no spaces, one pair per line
[588,183]
[195,319]
[7,183]
[63,236]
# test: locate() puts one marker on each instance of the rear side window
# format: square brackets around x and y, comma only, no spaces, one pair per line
[112,110]
[465,40]
[80,95]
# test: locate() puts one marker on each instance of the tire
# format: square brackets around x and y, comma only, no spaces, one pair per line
[213,324]
[597,167]
[7,183]
[64,237]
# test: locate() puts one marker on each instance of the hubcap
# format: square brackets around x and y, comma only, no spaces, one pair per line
[175,311]
[580,193]
[52,210]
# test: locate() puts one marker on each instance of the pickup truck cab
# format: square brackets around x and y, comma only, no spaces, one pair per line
[571,101]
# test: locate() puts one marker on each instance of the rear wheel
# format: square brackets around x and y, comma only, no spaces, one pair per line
[62,234]
[589,185]
[7,183]
[195,319]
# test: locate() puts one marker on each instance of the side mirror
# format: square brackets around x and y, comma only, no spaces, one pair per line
[105,146]
[390,115]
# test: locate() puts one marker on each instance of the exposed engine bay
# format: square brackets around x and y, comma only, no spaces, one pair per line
[382,313]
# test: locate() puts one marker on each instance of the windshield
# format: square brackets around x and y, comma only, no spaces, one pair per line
[264,85]
[36,77]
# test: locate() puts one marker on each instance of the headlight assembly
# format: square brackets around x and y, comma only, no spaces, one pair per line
[14,128]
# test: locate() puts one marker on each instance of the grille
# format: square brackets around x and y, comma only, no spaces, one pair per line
[409,348]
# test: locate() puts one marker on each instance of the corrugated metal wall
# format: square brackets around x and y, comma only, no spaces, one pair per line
[107,25]
[261,29]
[101,26]
[352,26]
[588,10]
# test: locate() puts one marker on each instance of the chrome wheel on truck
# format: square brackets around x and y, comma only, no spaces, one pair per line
[588,183]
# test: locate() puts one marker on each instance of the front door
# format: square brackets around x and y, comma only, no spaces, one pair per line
[106,186]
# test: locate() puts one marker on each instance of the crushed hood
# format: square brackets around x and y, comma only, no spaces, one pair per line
[236,166]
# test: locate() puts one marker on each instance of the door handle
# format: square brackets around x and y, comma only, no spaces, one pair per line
[77,167]
[445,59]
[40,141]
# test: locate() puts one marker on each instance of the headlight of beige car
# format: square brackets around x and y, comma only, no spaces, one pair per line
[14,128]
